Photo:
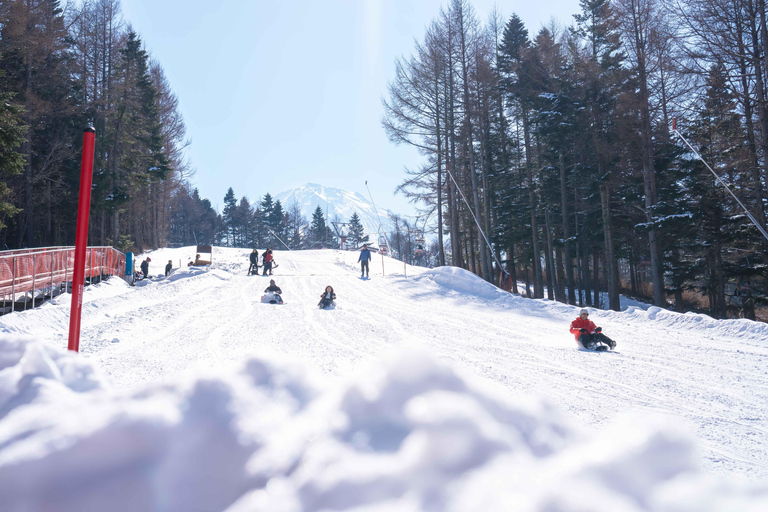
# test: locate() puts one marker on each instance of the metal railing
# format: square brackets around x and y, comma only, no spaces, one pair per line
[44,270]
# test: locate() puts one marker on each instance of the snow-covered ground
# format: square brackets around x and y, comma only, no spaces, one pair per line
[433,391]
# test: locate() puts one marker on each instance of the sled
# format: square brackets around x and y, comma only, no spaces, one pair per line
[271,298]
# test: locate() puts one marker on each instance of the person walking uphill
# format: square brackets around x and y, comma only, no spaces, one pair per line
[168,268]
[588,335]
[365,257]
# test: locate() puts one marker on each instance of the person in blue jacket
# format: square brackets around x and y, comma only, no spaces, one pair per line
[365,257]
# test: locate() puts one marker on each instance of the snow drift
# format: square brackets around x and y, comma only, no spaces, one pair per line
[409,433]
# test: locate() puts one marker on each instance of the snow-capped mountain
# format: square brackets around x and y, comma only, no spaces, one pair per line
[337,205]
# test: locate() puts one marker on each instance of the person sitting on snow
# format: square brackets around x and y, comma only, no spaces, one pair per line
[272,293]
[327,297]
[587,334]
[273,287]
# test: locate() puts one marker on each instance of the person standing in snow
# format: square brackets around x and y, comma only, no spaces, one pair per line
[145,267]
[254,257]
[587,334]
[365,257]
[327,297]
[267,257]
[168,268]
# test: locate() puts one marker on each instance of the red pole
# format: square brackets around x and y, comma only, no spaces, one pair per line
[81,242]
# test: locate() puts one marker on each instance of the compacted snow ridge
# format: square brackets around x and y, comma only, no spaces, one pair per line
[424,390]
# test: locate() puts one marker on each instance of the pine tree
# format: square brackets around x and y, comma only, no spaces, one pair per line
[357,231]
[12,135]
[318,228]
[229,216]
[277,224]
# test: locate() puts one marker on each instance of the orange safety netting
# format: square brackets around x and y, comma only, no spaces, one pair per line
[36,269]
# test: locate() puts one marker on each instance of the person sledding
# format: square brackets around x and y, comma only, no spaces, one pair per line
[588,335]
[254,258]
[272,293]
[327,298]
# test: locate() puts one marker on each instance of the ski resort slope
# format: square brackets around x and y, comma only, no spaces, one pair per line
[422,390]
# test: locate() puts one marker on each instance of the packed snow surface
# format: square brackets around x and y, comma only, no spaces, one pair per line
[424,390]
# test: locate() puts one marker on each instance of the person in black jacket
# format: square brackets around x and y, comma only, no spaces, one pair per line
[168,268]
[145,266]
[273,288]
[272,293]
[327,297]
[254,268]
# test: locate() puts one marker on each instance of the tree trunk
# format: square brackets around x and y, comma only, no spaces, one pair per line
[566,233]
[611,262]
[538,283]
[551,281]
[511,267]
[470,153]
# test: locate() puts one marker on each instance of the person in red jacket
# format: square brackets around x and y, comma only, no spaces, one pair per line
[588,334]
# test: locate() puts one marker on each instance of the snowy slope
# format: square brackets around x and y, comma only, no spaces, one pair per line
[337,203]
[431,392]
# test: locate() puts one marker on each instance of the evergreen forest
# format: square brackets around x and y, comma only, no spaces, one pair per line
[566,147]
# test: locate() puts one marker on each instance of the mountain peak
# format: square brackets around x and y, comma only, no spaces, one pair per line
[337,205]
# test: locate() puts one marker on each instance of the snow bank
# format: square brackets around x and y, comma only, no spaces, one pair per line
[471,286]
[409,434]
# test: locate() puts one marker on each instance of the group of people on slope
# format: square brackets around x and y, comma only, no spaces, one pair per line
[268,262]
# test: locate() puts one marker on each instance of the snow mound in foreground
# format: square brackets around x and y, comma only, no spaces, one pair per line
[410,434]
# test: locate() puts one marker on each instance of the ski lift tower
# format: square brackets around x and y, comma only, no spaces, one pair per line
[342,231]
[419,250]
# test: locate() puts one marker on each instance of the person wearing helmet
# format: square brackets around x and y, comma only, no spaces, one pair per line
[588,335]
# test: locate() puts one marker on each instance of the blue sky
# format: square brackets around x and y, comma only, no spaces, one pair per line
[281,93]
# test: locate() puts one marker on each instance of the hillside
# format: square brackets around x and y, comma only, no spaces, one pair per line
[433,391]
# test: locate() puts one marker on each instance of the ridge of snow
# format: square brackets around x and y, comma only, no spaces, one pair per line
[462,281]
